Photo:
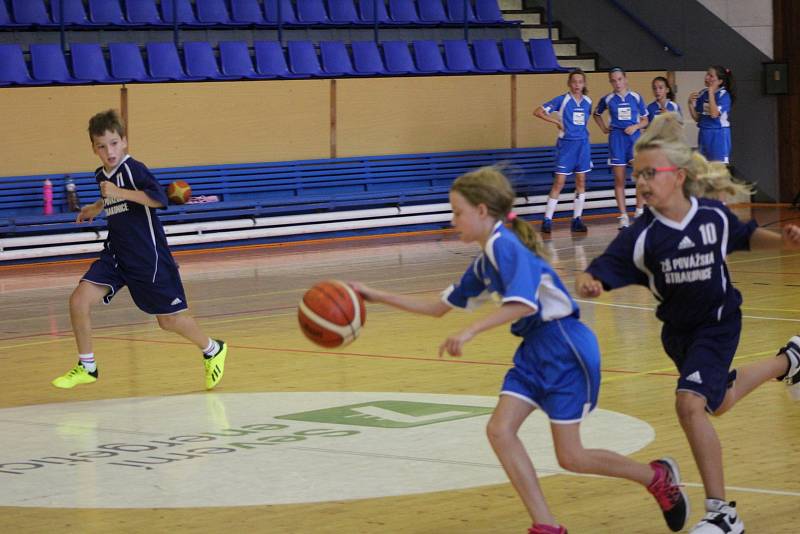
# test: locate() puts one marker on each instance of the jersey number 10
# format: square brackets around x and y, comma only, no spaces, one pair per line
[709,233]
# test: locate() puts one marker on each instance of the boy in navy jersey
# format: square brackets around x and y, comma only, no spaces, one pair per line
[677,249]
[135,254]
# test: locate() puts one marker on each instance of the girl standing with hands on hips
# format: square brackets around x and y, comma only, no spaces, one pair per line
[627,116]
[557,365]
[569,112]
[711,109]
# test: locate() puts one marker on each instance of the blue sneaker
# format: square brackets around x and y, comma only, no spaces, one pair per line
[547,226]
[578,226]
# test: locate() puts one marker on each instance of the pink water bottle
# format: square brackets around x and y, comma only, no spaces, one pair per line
[47,191]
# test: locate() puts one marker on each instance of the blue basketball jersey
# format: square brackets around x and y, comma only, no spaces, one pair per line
[654,110]
[135,235]
[682,263]
[507,271]
[624,110]
[573,114]
[723,99]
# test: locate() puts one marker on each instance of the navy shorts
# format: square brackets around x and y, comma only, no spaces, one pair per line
[704,356]
[557,369]
[163,296]
[620,147]
[715,143]
[573,155]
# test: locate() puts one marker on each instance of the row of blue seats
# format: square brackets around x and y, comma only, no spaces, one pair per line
[256,189]
[240,13]
[200,62]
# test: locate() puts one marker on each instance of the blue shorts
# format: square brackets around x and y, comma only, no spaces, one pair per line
[162,297]
[620,146]
[573,155]
[557,369]
[703,357]
[715,143]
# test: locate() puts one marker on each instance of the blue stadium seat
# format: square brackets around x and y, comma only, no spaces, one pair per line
[13,68]
[164,62]
[544,57]
[126,62]
[487,57]
[248,12]
[288,15]
[48,65]
[335,59]
[398,58]
[214,12]
[270,60]
[516,56]
[303,58]
[488,11]
[5,18]
[458,56]
[31,12]
[107,13]
[405,12]
[312,12]
[343,12]
[236,61]
[432,11]
[367,11]
[183,10]
[143,12]
[74,13]
[455,11]
[200,61]
[89,63]
[429,57]
[367,58]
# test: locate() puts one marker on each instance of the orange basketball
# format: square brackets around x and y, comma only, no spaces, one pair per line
[179,192]
[331,314]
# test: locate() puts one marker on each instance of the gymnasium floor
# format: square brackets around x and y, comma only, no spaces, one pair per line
[381,436]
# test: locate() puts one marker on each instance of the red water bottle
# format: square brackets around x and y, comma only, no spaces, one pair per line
[47,191]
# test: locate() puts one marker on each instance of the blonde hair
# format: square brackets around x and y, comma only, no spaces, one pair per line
[710,179]
[490,186]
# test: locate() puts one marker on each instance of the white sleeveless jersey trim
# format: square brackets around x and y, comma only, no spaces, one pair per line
[109,174]
[677,225]
[638,261]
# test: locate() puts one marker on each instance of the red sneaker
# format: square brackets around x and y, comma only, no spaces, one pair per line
[666,488]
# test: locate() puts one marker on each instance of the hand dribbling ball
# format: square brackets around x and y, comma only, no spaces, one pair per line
[331,314]
[179,192]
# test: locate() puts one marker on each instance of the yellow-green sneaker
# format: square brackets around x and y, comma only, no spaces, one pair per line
[215,366]
[77,375]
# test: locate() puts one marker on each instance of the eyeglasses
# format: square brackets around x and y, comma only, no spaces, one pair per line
[650,172]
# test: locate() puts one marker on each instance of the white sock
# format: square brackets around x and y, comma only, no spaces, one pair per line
[551,208]
[639,211]
[624,217]
[579,201]
[714,505]
[87,361]
[211,349]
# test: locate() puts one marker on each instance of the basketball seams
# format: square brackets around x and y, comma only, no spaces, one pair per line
[344,332]
[326,302]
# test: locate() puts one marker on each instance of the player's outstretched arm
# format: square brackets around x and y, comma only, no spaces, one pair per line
[413,304]
[767,239]
[587,286]
[90,211]
[507,313]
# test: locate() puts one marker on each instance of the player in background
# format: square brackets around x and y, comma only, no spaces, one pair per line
[677,249]
[557,365]
[711,109]
[627,116]
[569,113]
[664,99]
[135,254]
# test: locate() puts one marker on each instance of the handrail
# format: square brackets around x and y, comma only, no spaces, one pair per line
[646,27]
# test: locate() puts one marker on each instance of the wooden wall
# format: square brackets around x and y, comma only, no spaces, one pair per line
[234,122]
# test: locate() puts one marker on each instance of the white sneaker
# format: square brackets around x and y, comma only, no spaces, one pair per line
[792,378]
[724,520]
[624,221]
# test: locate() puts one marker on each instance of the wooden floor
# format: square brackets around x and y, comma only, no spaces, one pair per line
[248,297]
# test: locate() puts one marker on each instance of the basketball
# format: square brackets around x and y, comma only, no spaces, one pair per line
[179,192]
[331,314]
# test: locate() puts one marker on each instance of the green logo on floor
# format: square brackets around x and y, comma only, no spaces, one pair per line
[389,414]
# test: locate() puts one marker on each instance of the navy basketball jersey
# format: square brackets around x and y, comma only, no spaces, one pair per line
[135,235]
[507,271]
[682,263]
